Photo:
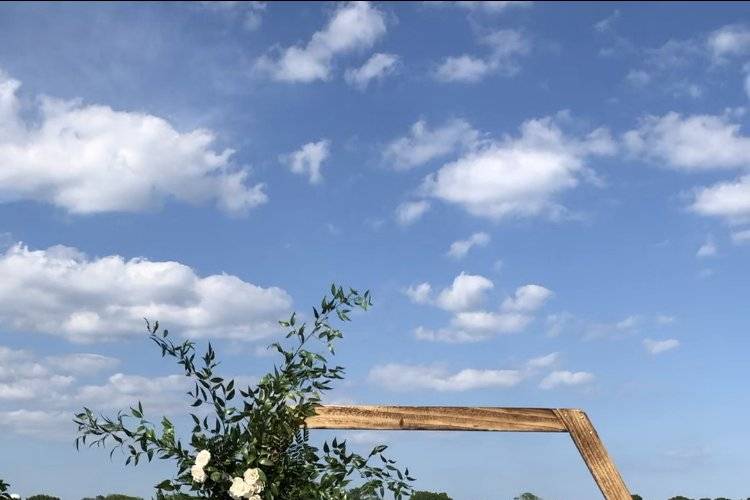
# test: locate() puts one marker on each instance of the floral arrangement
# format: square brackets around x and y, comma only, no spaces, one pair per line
[252,443]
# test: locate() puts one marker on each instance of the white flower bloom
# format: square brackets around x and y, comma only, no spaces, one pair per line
[253,497]
[203,457]
[199,475]
[252,476]
[239,488]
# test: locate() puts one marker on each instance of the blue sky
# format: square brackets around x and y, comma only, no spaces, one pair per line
[549,202]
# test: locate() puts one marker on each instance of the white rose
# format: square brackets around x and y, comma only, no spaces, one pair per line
[199,475]
[252,476]
[255,489]
[253,497]
[239,488]
[202,458]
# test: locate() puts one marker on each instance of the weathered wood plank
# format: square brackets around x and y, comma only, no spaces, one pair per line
[594,454]
[437,418]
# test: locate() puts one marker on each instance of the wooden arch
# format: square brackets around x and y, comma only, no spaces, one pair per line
[444,418]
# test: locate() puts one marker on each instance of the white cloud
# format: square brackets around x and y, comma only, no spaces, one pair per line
[466,292]
[376,67]
[460,248]
[469,323]
[690,143]
[60,291]
[91,159]
[38,423]
[489,6]
[739,237]
[543,361]
[251,13]
[24,378]
[707,249]
[308,159]
[419,294]
[353,26]
[424,144]
[638,78]
[565,378]
[527,298]
[659,346]
[730,40]
[418,377]
[483,324]
[664,319]
[730,200]
[464,68]
[518,176]
[157,394]
[504,45]
[82,363]
[40,389]
[411,211]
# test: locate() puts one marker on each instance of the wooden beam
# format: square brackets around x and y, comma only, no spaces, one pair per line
[449,418]
[436,418]
[594,454]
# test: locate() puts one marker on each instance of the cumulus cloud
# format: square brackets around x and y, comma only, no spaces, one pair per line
[730,40]
[527,298]
[377,67]
[469,323]
[690,143]
[308,159]
[519,176]
[543,361]
[40,389]
[707,249]
[411,211]
[729,200]
[565,378]
[466,292]
[400,377]
[91,158]
[59,291]
[423,144]
[353,26]
[482,324]
[505,46]
[419,294]
[659,346]
[460,248]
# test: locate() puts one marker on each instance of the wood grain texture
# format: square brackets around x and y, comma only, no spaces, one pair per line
[594,454]
[450,418]
[437,418]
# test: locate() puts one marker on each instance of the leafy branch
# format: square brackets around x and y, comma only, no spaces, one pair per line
[256,431]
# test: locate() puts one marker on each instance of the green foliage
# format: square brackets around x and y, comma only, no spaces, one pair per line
[527,496]
[358,494]
[428,495]
[636,497]
[4,487]
[259,427]
[42,497]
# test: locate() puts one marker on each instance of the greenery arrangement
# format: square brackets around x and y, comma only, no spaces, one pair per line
[252,443]
[4,487]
